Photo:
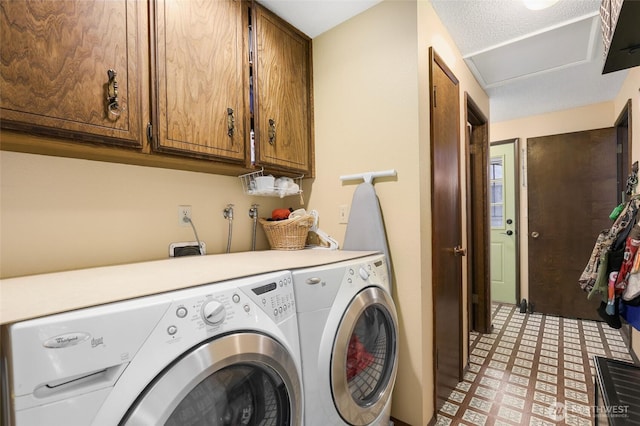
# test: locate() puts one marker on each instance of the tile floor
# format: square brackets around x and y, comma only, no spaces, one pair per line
[533,369]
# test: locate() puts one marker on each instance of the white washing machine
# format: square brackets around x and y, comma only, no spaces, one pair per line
[349,342]
[218,354]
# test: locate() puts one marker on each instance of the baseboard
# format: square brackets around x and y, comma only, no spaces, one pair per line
[397,422]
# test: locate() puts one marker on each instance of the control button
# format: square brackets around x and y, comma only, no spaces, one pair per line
[363,274]
[235,298]
[349,280]
[213,312]
[264,301]
[285,308]
[280,309]
[247,308]
[275,312]
[351,271]
[172,329]
[280,282]
[181,312]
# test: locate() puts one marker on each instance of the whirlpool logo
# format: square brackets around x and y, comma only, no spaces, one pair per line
[70,339]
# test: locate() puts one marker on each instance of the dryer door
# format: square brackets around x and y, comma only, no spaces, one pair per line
[238,379]
[364,362]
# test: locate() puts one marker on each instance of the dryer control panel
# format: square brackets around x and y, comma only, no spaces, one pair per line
[274,297]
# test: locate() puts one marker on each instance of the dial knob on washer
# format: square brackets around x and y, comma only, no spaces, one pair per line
[213,312]
[363,274]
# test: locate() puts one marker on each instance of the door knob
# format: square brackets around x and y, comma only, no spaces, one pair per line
[509,232]
[535,234]
[459,251]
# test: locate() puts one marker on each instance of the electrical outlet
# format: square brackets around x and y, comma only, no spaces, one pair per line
[343,213]
[184,212]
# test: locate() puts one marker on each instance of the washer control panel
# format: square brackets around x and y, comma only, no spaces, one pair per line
[373,271]
[218,307]
[274,297]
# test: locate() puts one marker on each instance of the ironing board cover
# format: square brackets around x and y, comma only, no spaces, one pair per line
[365,229]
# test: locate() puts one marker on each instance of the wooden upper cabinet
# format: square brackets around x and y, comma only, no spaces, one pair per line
[282,93]
[201,51]
[54,63]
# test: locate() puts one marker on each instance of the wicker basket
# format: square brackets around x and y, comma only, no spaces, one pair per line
[289,234]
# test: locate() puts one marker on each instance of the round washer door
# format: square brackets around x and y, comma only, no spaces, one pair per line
[238,379]
[364,361]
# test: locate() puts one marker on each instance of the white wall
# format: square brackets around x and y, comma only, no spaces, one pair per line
[61,213]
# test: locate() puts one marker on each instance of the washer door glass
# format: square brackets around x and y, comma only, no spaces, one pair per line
[364,363]
[236,395]
[239,379]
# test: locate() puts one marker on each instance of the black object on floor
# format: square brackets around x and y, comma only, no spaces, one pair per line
[612,320]
[523,306]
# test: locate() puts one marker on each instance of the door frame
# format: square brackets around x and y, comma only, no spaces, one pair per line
[478,240]
[624,138]
[516,177]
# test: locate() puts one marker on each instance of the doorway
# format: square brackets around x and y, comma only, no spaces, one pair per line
[478,277]
[624,138]
[504,218]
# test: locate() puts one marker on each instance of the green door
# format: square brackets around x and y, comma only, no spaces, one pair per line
[503,222]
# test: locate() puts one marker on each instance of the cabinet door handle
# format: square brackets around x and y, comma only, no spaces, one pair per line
[113,106]
[272,131]
[231,122]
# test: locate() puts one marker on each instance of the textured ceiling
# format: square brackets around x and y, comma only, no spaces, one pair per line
[479,27]
[490,26]
[478,24]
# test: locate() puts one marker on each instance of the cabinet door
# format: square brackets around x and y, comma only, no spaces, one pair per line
[282,69]
[199,72]
[54,62]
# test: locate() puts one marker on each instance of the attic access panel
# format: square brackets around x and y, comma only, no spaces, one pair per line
[551,49]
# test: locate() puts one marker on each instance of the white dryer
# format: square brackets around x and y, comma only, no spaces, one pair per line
[218,354]
[349,342]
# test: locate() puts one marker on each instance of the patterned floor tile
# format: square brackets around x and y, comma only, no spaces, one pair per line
[474,417]
[532,370]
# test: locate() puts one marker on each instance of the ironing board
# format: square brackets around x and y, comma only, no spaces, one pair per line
[365,228]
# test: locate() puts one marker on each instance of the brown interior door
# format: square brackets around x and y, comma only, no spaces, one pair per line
[572,190]
[446,226]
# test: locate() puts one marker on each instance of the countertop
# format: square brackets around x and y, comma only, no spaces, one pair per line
[46,294]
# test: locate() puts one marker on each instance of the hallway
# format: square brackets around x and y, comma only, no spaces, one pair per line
[533,369]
